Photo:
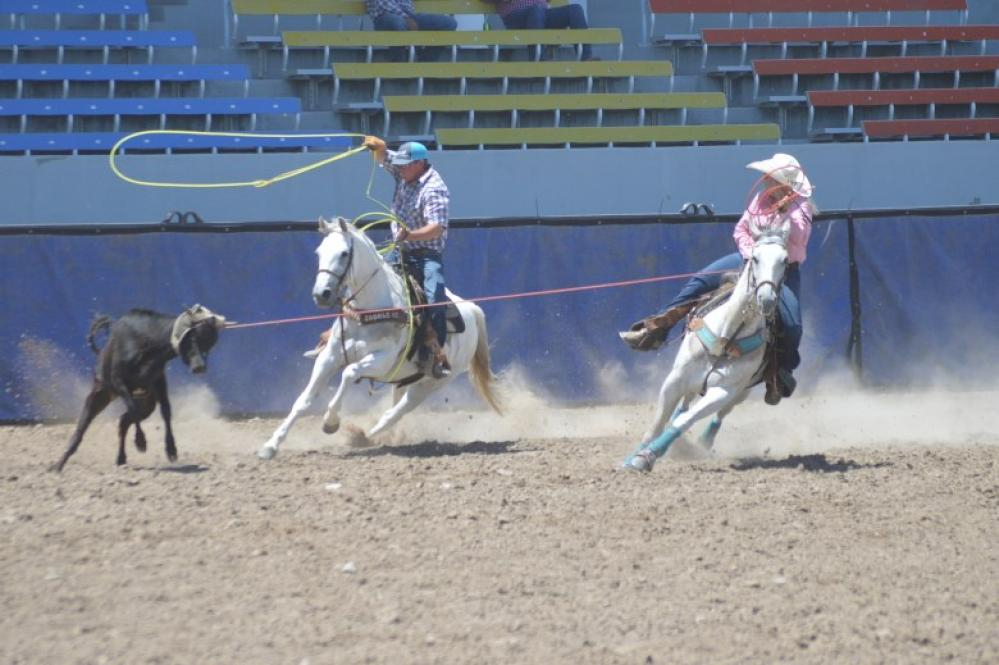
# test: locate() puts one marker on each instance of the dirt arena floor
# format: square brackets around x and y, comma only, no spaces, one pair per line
[837,529]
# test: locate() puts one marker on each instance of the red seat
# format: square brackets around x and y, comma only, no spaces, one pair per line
[927,64]
[769,7]
[931,97]
[916,65]
[847,35]
[928,128]
[765,6]
[850,34]
[828,98]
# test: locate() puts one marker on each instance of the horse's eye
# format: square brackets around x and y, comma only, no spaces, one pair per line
[343,253]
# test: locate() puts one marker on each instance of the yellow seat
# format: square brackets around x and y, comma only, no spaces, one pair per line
[499,70]
[356,7]
[557,103]
[524,136]
[366,39]
[320,8]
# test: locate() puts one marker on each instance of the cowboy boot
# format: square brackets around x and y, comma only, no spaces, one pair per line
[650,333]
[324,339]
[786,382]
[440,368]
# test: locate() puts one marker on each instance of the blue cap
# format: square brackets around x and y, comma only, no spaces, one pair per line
[408,153]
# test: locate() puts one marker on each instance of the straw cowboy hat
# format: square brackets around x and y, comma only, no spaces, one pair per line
[786,170]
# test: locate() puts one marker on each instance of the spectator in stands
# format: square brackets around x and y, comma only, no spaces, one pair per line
[537,15]
[420,205]
[400,15]
[785,194]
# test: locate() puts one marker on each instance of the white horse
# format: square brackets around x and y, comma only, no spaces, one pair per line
[375,347]
[722,355]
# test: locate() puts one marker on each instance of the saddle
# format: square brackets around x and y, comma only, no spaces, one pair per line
[455,324]
[651,332]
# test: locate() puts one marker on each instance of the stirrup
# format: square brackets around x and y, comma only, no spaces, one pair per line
[441,368]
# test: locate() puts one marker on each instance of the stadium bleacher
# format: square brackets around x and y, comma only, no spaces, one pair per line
[20,10]
[161,108]
[775,72]
[102,40]
[113,74]
[102,142]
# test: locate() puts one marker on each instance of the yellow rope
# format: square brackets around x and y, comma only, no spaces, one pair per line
[218,185]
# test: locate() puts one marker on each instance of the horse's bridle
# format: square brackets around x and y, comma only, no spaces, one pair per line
[755,285]
[346,271]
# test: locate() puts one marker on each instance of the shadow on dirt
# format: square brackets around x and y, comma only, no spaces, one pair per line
[814,463]
[435,449]
[183,469]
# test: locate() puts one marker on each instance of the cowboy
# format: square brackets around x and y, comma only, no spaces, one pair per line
[537,15]
[399,15]
[785,195]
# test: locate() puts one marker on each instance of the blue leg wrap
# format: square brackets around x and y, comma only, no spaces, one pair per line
[662,442]
[711,431]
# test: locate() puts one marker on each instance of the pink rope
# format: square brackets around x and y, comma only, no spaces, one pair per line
[506,296]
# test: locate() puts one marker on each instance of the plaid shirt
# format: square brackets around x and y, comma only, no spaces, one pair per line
[507,6]
[378,7]
[419,203]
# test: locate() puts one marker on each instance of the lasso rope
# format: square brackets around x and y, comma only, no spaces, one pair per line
[263,182]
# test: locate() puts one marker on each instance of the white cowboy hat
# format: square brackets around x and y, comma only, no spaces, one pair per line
[786,170]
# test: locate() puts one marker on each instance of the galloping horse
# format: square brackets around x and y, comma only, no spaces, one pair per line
[352,272]
[722,354]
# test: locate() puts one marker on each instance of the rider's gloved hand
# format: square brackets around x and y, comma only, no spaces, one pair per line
[374,143]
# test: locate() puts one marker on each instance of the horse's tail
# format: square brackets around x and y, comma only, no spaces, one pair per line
[481,374]
[100,322]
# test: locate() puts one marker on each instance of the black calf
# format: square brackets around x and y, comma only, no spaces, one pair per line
[132,366]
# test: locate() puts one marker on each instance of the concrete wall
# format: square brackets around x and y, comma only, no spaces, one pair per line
[491,184]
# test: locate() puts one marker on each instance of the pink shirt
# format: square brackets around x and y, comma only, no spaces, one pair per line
[800,214]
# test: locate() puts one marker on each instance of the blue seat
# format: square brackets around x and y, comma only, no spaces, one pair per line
[56,8]
[103,40]
[74,142]
[163,107]
[114,73]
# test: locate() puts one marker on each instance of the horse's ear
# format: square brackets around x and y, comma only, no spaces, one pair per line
[343,223]
[325,227]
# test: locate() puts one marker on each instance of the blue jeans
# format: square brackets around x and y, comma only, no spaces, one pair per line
[788,307]
[427,266]
[397,22]
[539,17]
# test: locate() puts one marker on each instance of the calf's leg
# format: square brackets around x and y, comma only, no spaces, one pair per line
[161,394]
[144,406]
[96,401]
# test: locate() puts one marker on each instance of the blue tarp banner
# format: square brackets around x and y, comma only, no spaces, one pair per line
[928,299]
[924,283]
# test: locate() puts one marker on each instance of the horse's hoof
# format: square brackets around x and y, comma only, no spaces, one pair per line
[331,429]
[643,460]
[266,452]
[356,438]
